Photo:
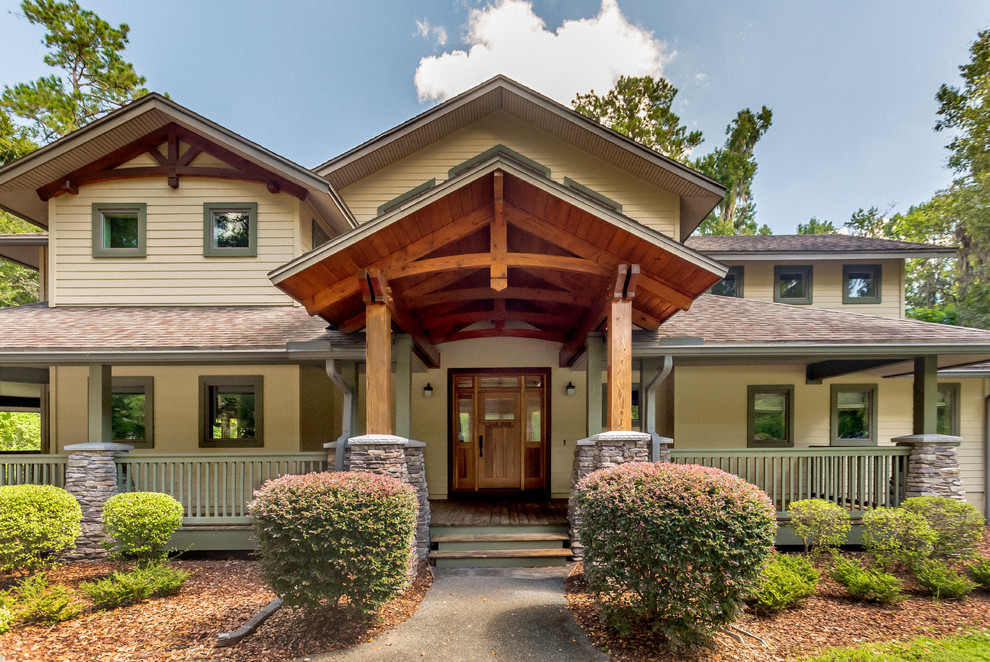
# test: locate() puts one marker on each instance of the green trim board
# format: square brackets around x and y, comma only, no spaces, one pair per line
[397,201]
[250,388]
[525,161]
[769,415]
[239,242]
[122,420]
[853,415]
[793,283]
[593,194]
[862,283]
[122,223]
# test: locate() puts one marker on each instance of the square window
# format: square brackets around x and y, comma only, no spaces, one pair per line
[854,414]
[947,409]
[132,411]
[231,411]
[770,420]
[731,285]
[792,284]
[230,229]
[861,283]
[119,230]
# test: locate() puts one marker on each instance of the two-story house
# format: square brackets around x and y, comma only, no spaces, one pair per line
[499,278]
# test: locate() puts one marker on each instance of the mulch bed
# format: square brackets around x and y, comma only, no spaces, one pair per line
[219,596]
[829,618]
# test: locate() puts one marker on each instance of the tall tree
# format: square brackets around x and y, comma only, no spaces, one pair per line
[93,77]
[640,107]
[734,166]
[966,110]
[816,226]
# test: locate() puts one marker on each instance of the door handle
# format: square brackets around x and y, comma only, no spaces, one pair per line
[481,445]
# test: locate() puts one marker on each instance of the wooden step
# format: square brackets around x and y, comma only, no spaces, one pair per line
[501,553]
[500,537]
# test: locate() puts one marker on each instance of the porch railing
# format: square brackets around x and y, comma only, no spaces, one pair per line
[212,488]
[33,469]
[855,478]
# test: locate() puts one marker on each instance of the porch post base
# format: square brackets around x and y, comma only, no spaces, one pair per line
[660,450]
[933,466]
[91,477]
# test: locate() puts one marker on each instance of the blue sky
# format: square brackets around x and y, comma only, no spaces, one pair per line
[851,84]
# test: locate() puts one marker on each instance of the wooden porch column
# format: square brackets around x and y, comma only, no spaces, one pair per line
[926,395]
[378,339]
[100,403]
[620,349]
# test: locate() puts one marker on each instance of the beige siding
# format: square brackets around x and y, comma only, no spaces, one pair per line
[641,201]
[175,272]
[758,283]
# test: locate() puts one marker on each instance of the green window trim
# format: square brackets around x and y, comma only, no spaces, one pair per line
[123,386]
[837,435]
[593,194]
[874,272]
[210,249]
[736,276]
[950,422]
[209,386]
[524,161]
[101,213]
[787,425]
[804,271]
[397,202]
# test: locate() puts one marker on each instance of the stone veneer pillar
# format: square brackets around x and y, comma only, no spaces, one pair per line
[933,466]
[91,477]
[600,451]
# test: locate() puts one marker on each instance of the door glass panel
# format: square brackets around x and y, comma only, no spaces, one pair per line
[465,382]
[499,382]
[534,382]
[534,424]
[500,409]
[464,413]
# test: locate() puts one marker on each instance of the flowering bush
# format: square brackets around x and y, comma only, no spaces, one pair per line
[326,536]
[37,522]
[958,526]
[140,524]
[675,547]
[819,524]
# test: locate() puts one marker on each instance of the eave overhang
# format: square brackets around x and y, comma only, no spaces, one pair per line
[806,256]
[23,248]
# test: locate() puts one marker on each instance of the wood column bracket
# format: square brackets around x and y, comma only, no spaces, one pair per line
[375,290]
[173,157]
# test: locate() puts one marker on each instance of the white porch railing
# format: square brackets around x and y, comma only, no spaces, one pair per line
[213,488]
[33,469]
[855,478]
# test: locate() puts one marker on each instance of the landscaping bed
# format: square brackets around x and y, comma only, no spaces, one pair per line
[219,596]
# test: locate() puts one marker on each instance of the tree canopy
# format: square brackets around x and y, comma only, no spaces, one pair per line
[816,226]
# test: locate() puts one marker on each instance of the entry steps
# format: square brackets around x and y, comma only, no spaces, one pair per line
[499,546]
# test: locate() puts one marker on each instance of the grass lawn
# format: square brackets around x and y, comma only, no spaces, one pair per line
[971,647]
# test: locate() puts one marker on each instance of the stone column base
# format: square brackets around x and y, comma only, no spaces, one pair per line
[91,477]
[933,466]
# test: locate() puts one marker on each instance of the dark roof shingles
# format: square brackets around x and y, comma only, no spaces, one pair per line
[801,243]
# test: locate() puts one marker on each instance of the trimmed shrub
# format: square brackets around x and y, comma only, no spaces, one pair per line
[326,536]
[41,602]
[958,526]
[868,585]
[126,588]
[787,581]
[819,524]
[941,581]
[677,548]
[7,618]
[980,572]
[897,537]
[37,523]
[140,524]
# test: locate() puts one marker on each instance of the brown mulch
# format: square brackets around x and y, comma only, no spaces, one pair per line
[829,618]
[219,596]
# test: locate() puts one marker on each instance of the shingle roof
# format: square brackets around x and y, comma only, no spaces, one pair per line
[815,243]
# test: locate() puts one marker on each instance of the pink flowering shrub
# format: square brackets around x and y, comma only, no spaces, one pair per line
[675,547]
[326,536]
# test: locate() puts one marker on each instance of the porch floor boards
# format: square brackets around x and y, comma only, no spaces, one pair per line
[454,512]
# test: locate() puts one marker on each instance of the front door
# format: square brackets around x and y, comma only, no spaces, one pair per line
[498,430]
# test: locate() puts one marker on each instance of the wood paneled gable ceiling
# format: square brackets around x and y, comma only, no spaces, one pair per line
[498,252]
[698,194]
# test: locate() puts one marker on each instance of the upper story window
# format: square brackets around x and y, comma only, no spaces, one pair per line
[120,229]
[770,416]
[230,229]
[861,283]
[792,284]
[731,285]
[854,414]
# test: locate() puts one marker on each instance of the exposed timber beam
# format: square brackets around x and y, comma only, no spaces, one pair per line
[499,239]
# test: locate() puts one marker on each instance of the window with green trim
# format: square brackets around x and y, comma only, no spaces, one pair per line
[230,229]
[947,409]
[770,416]
[231,411]
[861,283]
[132,411]
[854,414]
[731,285]
[120,229]
[792,284]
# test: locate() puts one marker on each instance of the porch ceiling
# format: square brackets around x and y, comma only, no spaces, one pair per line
[498,253]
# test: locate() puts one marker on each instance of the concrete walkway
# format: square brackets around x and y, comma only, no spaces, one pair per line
[512,614]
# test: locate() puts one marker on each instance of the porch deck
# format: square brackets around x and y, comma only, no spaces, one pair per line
[459,512]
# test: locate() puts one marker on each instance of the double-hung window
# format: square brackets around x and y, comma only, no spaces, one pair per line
[947,411]
[770,416]
[120,229]
[230,229]
[854,414]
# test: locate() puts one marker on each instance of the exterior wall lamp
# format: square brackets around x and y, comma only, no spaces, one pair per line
[428,390]
[571,388]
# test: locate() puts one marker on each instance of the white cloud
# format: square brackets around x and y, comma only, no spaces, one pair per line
[509,38]
[437,32]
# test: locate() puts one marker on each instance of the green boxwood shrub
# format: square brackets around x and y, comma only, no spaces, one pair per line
[787,581]
[897,537]
[979,572]
[677,548]
[126,588]
[39,601]
[819,524]
[140,524]
[958,526]
[872,585]
[326,536]
[37,523]
[941,581]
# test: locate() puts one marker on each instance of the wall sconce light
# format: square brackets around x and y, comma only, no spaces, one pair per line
[571,388]
[427,391]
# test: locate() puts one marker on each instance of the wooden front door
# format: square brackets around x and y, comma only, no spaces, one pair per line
[498,430]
